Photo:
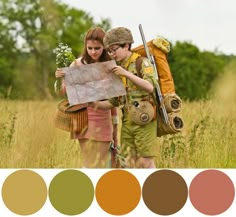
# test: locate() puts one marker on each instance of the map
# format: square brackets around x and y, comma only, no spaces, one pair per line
[92,82]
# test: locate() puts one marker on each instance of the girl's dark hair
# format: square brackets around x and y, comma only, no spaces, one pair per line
[97,34]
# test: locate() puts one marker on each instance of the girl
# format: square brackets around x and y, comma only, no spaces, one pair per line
[102,124]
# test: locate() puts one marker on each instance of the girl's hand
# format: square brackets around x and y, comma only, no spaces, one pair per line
[59,73]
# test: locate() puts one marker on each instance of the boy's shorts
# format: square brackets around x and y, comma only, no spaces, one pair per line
[139,140]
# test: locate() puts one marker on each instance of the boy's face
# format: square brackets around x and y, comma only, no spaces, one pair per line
[117,52]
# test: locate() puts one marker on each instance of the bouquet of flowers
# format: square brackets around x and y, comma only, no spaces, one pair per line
[64,55]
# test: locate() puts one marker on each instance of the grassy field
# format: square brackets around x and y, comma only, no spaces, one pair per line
[28,138]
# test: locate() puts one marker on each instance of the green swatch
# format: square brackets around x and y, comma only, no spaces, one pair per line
[71,192]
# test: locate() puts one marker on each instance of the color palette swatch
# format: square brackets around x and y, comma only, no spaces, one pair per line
[118,192]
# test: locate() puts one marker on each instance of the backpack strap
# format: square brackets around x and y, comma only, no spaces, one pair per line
[138,65]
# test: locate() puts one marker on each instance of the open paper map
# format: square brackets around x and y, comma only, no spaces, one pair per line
[92,82]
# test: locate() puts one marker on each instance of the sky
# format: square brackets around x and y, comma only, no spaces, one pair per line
[208,24]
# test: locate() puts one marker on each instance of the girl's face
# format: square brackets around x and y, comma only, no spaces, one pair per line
[94,49]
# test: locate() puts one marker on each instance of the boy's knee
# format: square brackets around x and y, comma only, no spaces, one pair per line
[145,162]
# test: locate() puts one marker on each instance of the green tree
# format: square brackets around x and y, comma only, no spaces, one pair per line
[213,65]
[7,42]
[36,27]
[186,69]
[194,71]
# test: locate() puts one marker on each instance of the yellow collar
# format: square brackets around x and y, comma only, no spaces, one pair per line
[130,60]
[126,64]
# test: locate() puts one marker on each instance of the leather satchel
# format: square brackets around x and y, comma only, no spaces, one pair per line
[71,118]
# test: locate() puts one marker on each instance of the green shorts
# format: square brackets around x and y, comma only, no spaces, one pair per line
[139,140]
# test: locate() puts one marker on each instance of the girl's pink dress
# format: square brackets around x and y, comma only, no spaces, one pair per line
[100,126]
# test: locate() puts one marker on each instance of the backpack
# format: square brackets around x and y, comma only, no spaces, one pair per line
[159,49]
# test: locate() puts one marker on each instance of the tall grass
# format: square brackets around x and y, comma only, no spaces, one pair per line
[208,139]
[28,138]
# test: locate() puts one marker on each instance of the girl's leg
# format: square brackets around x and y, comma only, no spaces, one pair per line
[94,153]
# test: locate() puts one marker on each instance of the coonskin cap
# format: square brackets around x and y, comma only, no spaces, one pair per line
[119,35]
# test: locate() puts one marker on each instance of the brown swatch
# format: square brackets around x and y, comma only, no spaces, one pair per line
[118,192]
[165,192]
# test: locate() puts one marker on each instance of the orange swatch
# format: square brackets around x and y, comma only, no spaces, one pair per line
[118,192]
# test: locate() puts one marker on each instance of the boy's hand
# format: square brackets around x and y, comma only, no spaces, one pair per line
[118,70]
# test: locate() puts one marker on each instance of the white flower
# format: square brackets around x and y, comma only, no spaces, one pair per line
[64,55]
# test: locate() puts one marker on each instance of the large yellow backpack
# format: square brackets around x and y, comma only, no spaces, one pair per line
[159,48]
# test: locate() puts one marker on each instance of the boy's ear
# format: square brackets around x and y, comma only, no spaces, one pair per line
[126,46]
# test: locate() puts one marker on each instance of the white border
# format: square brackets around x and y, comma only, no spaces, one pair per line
[95,210]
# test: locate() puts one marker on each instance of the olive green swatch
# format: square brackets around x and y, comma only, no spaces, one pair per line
[71,192]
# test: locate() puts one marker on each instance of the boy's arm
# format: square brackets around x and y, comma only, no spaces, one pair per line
[144,84]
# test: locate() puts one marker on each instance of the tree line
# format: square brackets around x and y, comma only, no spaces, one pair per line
[31,29]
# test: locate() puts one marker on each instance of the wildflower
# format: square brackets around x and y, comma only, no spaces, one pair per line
[64,55]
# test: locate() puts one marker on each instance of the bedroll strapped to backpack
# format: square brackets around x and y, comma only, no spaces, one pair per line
[159,49]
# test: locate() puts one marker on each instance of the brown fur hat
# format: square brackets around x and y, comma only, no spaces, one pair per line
[119,35]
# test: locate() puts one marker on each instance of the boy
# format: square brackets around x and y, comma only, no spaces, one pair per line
[138,132]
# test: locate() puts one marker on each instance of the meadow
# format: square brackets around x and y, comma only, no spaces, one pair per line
[29,139]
